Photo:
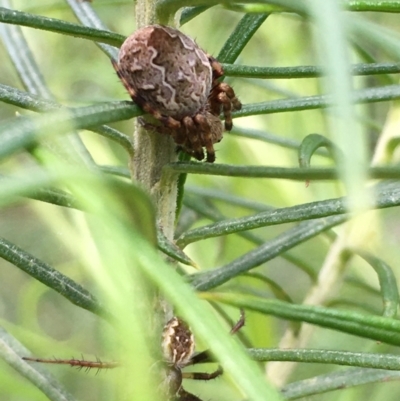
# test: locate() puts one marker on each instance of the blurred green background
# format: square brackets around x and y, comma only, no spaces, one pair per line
[78,73]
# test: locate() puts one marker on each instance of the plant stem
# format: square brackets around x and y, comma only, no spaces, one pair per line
[145,13]
[152,152]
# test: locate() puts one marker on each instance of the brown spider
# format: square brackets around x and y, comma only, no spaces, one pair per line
[178,348]
[171,78]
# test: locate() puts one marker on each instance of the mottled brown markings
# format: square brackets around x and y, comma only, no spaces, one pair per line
[170,77]
[158,51]
[177,335]
[177,342]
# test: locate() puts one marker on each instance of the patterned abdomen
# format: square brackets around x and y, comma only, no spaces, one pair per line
[167,70]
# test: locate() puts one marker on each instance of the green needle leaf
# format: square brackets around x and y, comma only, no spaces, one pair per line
[305,71]
[239,38]
[50,277]
[327,356]
[362,325]
[264,253]
[23,132]
[336,381]
[387,281]
[59,26]
[309,146]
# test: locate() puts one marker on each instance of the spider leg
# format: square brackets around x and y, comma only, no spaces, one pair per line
[240,323]
[227,108]
[206,136]
[216,67]
[226,97]
[166,120]
[195,145]
[223,87]
[203,375]
[201,357]
[214,105]
[181,139]
[180,136]
[205,356]
[183,395]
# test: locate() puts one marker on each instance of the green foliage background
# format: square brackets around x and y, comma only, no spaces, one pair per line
[342,278]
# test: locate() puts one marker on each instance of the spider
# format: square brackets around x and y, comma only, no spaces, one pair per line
[178,349]
[172,79]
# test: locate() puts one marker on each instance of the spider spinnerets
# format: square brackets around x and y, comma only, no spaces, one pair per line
[171,78]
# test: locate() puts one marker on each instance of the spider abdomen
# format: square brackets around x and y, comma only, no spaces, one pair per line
[177,343]
[176,82]
[167,70]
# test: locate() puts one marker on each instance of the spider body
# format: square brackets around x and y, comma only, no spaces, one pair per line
[174,80]
[178,348]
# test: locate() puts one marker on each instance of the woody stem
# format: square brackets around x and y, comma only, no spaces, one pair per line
[152,152]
